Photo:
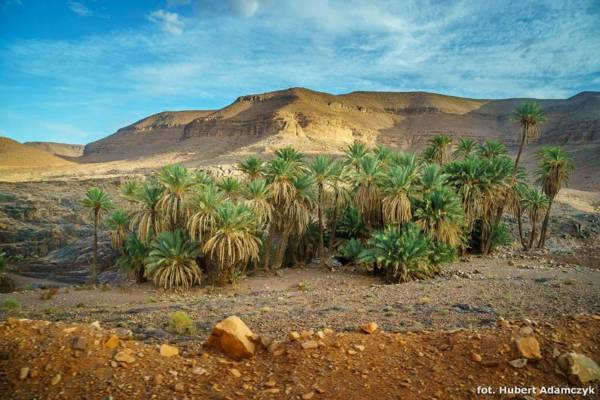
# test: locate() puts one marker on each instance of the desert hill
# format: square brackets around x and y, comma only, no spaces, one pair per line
[15,155]
[318,121]
[58,149]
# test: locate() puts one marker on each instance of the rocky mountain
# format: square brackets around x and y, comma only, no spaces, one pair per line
[58,149]
[321,121]
[17,155]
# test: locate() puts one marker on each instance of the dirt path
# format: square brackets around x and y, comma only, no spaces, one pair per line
[469,294]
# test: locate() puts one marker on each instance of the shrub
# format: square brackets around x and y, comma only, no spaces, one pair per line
[351,224]
[11,304]
[350,251]
[181,323]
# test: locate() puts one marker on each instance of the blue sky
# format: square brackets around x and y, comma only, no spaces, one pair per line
[75,71]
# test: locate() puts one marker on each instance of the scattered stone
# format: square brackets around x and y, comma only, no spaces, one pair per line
[529,348]
[158,379]
[351,352]
[580,369]
[294,336]
[309,344]
[308,396]
[70,330]
[235,372]
[369,328]
[95,324]
[272,390]
[199,371]
[178,387]
[476,357]
[328,331]
[124,334]
[270,383]
[79,343]
[518,363]
[23,372]
[359,347]
[112,342]
[56,380]
[320,334]
[526,331]
[232,337]
[502,323]
[125,357]
[168,351]
[273,346]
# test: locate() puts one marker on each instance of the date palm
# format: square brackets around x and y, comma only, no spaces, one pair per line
[146,216]
[98,201]
[256,195]
[439,150]
[252,167]
[529,115]
[322,170]
[354,154]
[230,187]
[234,241]
[431,178]
[465,148]
[178,186]
[339,198]
[203,218]
[367,194]
[553,174]
[396,186]
[118,223]
[134,255]
[129,190]
[535,203]
[171,261]
[491,149]
[441,216]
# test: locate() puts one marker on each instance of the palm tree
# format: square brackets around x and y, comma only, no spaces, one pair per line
[253,167]
[295,217]
[403,253]
[178,185]
[97,200]
[322,169]
[367,194]
[146,217]
[396,188]
[234,241]
[439,150]
[203,219]
[555,168]
[171,261]
[129,190]
[431,178]
[257,194]
[354,154]
[382,153]
[465,148]
[535,203]
[118,222]
[441,216]
[529,115]
[133,258]
[290,154]
[491,149]
[230,187]
[340,198]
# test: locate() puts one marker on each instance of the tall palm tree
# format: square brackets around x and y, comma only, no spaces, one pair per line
[203,219]
[178,185]
[97,200]
[339,198]
[555,168]
[322,169]
[535,203]
[441,215]
[290,154]
[118,223]
[367,192]
[295,217]
[230,187]
[465,148]
[529,115]
[256,195]
[171,261]
[382,153]
[431,178]
[234,241]
[129,190]
[396,186]
[491,149]
[146,217]
[439,150]
[134,255]
[354,154]
[253,167]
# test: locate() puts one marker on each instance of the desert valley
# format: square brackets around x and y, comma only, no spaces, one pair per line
[299,244]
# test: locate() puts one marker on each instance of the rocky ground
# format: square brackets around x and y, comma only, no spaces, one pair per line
[40,359]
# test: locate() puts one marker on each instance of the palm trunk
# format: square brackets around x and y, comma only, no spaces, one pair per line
[268,248]
[545,224]
[321,229]
[333,223]
[521,146]
[533,231]
[95,248]
[520,225]
[281,248]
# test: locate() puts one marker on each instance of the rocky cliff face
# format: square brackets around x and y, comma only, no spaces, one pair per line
[331,121]
[58,149]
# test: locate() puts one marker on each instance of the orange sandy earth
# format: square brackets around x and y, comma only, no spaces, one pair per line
[382,365]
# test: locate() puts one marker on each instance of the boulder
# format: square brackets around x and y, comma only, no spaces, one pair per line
[369,328]
[233,337]
[168,351]
[580,369]
[529,348]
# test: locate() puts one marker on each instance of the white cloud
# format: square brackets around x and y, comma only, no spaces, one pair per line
[168,21]
[247,8]
[80,9]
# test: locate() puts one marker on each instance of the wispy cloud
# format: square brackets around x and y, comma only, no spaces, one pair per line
[80,9]
[168,21]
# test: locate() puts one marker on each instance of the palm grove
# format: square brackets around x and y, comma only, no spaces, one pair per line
[399,215]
